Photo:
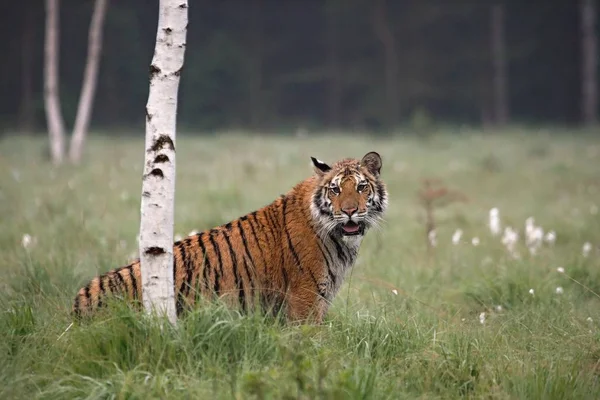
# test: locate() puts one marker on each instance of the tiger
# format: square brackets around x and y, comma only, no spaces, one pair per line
[289,257]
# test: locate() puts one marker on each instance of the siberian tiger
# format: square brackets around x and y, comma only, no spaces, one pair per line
[291,255]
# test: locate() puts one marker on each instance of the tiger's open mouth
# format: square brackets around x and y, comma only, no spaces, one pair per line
[351,228]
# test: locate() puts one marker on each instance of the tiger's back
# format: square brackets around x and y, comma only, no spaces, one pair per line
[292,254]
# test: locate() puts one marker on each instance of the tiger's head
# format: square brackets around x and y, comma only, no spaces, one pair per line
[349,197]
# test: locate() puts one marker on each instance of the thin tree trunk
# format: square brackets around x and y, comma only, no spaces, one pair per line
[256,65]
[500,70]
[589,78]
[86,99]
[386,36]
[27,108]
[334,95]
[158,185]
[54,119]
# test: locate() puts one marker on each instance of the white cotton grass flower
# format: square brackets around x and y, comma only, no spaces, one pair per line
[559,290]
[531,292]
[560,270]
[499,308]
[27,241]
[432,236]
[475,241]
[550,237]
[482,318]
[395,292]
[587,248]
[192,233]
[589,319]
[494,222]
[510,240]
[456,236]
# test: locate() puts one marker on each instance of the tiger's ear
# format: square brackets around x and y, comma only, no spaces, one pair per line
[372,161]
[320,167]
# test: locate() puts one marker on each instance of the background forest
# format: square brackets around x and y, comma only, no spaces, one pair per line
[274,65]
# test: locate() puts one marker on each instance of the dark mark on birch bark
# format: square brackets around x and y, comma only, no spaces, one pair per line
[161,158]
[160,142]
[157,172]
[154,251]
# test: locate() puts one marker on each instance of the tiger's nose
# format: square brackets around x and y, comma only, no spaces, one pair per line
[349,210]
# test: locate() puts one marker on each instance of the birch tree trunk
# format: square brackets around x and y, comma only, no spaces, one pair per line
[589,78]
[27,107]
[86,98]
[54,119]
[500,72]
[158,186]
[334,90]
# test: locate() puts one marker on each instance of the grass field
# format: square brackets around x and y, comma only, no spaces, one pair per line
[405,325]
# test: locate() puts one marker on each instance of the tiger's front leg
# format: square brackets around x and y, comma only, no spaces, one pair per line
[306,304]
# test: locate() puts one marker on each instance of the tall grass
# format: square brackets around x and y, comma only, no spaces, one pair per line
[459,322]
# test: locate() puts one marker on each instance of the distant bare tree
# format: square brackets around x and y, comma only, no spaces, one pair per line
[589,72]
[500,67]
[27,106]
[86,99]
[386,37]
[334,93]
[54,119]
[158,186]
[256,98]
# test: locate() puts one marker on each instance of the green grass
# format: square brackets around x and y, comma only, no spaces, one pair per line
[426,341]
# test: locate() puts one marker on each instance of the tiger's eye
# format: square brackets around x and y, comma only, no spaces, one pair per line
[361,186]
[335,190]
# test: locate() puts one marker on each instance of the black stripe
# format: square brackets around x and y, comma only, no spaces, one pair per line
[340,251]
[102,291]
[262,254]
[122,285]
[245,242]
[77,306]
[329,271]
[219,261]
[236,276]
[181,293]
[289,239]
[133,281]
[205,262]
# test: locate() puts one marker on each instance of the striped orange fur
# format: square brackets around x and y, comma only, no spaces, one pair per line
[291,255]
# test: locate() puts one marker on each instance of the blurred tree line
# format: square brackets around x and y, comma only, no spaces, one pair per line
[279,64]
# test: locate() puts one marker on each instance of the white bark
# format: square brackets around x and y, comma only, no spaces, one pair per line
[158,187]
[86,99]
[589,78]
[54,120]
[501,110]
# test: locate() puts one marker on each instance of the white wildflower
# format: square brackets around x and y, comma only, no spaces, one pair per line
[589,319]
[550,237]
[510,239]
[560,270]
[475,241]
[394,291]
[482,318]
[432,236]
[531,292]
[559,290]
[192,233]
[494,223]
[499,308]
[27,241]
[456,236]
[587,247]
